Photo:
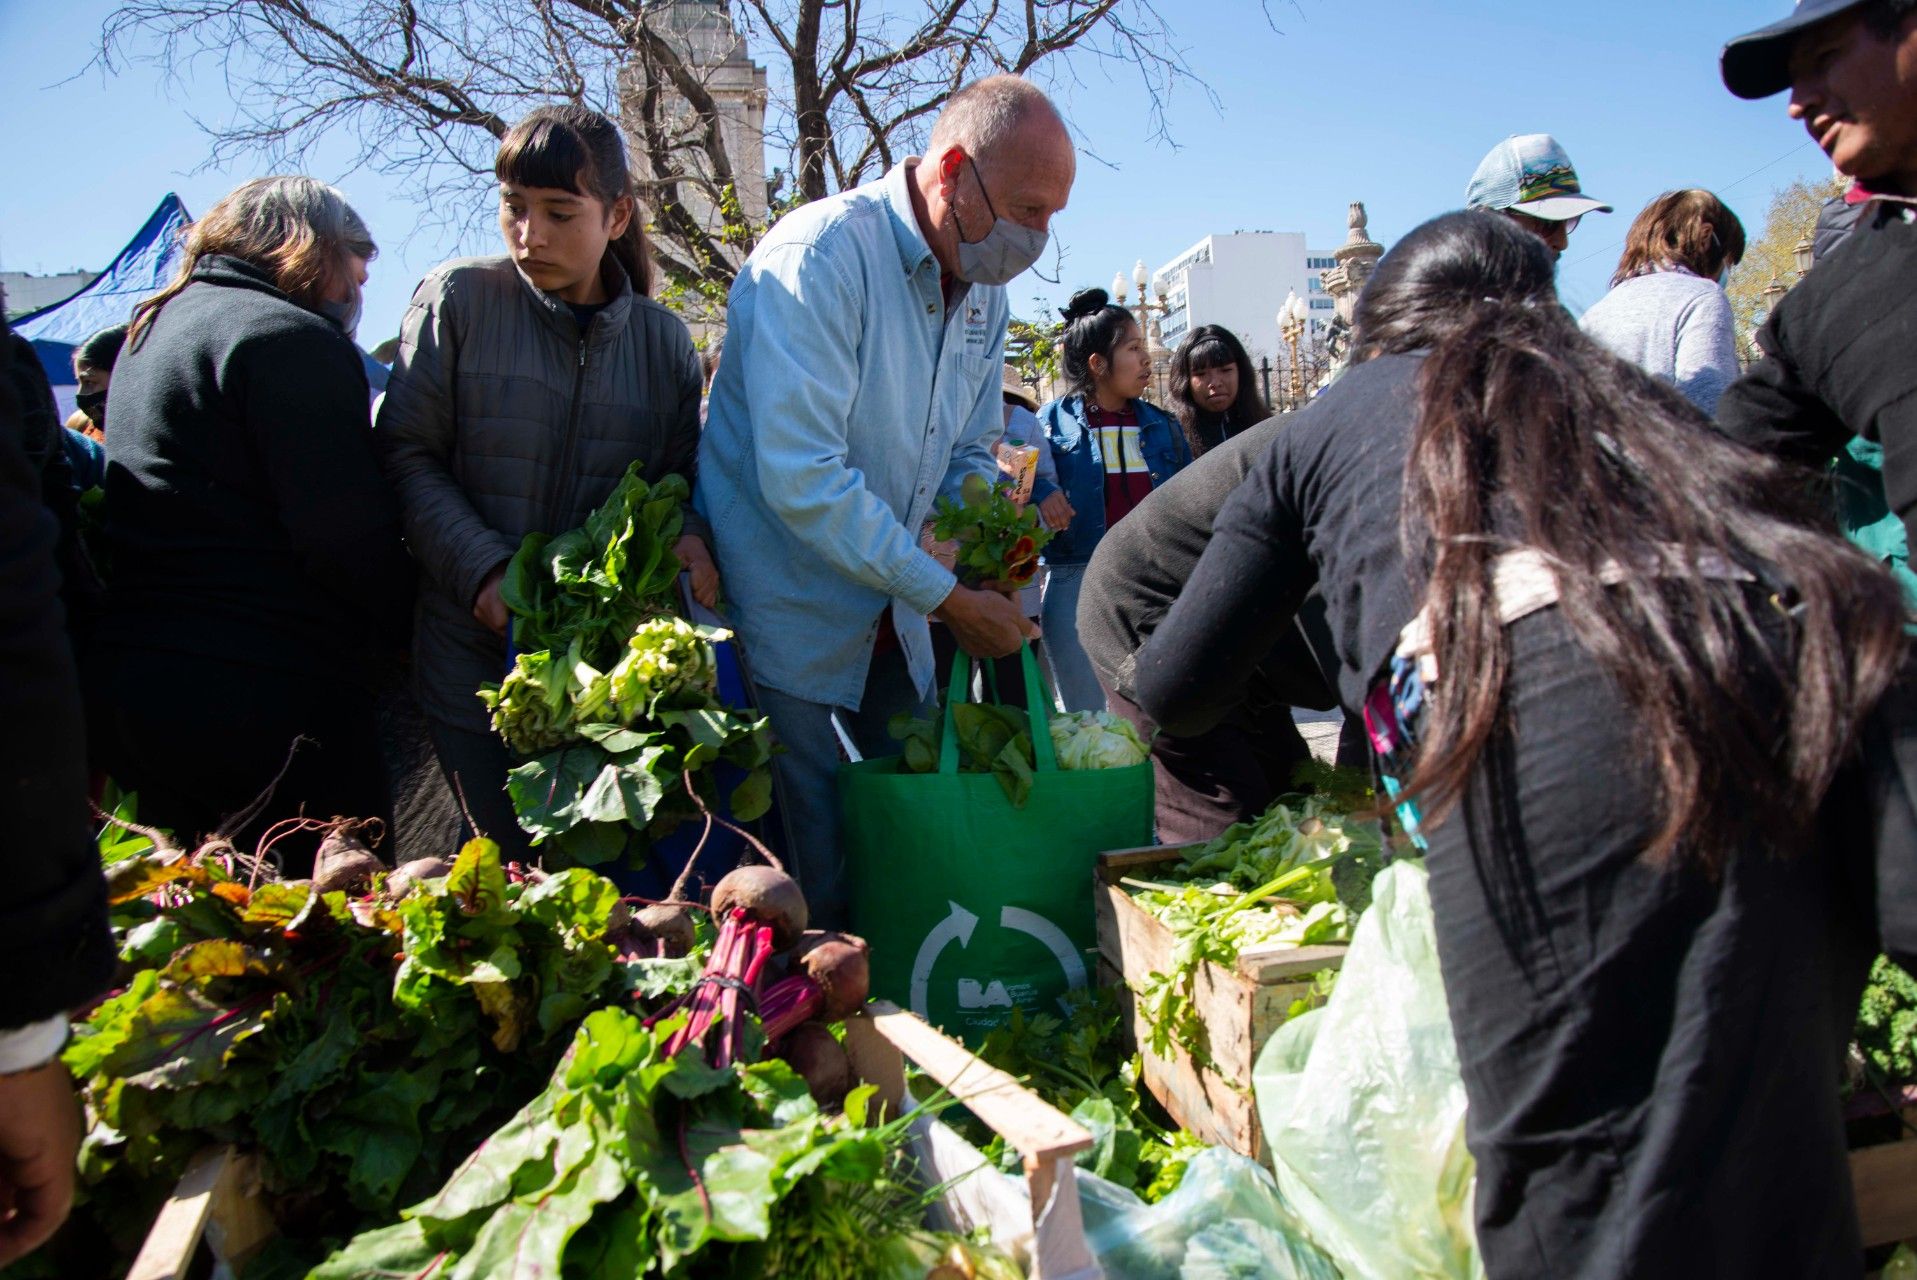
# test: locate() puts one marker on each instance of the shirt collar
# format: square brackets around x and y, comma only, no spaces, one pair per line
[913,248]
[1860,194]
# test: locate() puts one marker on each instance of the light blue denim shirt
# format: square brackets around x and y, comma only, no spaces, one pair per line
[847,401]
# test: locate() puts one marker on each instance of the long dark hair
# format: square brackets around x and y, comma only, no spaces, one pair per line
[572,148]
[1529,434]
[1211,346]
[1093,327]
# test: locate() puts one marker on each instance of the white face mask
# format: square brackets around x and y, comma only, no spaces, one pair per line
[1007,251]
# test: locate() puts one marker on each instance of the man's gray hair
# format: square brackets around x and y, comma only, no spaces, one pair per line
[986,113]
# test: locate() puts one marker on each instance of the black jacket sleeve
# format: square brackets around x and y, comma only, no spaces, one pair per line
[53,925]
[1241,600]
[307,401]
[1773,408]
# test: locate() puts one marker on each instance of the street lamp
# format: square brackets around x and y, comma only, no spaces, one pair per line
[1806,254]
[1774,291]
[1292,318]
[1149,313]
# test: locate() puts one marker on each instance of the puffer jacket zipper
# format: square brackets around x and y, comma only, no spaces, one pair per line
[557,517]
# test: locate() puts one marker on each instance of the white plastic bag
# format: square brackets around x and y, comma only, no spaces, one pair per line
[1226,1221]
[1363,1105]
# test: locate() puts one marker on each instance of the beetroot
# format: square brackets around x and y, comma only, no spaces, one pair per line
[841,964]
[408,874]
[831,979]
[670,927]
[816,1054]
[767,896]
[345,863]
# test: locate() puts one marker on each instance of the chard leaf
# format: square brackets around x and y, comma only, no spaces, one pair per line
[217,958]
[487,1177]
[136,877]
[574,902]
[477,881]
[527,1240]
[752,798]
[398,1250]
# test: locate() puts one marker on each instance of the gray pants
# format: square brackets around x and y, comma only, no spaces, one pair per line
[808,773]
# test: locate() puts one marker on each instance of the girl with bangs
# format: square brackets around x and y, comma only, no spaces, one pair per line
[250,532]
[525,385]
[1214,389]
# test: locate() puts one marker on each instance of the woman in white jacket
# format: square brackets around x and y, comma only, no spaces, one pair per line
[1666,311]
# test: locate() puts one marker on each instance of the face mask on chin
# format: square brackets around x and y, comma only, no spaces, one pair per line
[93,405]
[1007,250]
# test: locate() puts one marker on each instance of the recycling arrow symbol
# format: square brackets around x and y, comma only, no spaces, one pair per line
[959,926]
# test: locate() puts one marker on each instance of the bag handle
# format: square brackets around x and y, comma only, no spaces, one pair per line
[1037,708]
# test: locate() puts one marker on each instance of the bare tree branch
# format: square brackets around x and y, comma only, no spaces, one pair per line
[426,88]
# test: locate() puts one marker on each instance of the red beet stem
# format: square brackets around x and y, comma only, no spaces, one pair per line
[788,1003]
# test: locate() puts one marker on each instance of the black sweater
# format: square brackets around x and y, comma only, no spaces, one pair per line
[53,924]
[1319,508]
[1839,360]
[247,517]
[1143,562]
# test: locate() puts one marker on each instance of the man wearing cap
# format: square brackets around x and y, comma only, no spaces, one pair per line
[1529,179]
[1838,349]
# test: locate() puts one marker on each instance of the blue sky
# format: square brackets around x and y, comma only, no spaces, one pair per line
[1391,102]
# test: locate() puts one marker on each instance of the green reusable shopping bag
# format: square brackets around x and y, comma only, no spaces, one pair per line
[975,907]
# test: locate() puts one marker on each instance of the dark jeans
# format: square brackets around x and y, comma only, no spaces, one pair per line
[1650,1054]
[201,740]
[1229,774]
[808,768]
[475,766]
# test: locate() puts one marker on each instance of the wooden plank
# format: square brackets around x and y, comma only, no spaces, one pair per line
[1270,964]
[238,1222]
[1035,1129]
[175,1237]
[1884,1179]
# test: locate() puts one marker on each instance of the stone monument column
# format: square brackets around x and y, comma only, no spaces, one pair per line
[1356,258]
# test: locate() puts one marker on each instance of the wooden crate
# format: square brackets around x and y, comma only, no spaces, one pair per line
[1241,1006]
[217,1202]
[1883,1168]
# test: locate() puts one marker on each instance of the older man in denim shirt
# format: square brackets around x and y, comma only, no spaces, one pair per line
[864,342]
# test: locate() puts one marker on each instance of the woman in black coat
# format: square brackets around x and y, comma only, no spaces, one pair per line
[257,566]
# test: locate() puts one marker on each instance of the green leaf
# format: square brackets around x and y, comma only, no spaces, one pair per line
[752,798]
[574,902]
[376,1127]
[528,1241]
[545,791]
[276,904]
[487,1177]
[478,881]
[150,944]
[593,844]
[395,1251]
[217,958]
[652,979]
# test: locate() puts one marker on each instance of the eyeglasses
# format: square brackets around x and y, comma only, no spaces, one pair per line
[1542,225]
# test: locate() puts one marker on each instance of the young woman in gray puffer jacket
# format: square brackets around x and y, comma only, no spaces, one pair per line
[524,388]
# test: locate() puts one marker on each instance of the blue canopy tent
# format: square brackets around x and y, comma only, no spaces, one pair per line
[139,271]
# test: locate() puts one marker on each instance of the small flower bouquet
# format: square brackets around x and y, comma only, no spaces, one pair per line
[997,541]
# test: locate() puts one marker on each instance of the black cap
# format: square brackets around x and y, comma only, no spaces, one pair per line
[1758,65]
